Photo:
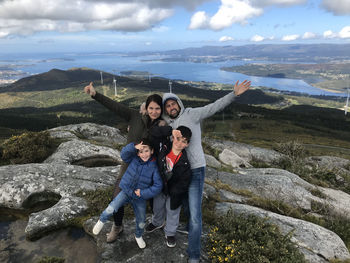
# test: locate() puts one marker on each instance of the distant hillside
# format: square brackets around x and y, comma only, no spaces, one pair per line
[286,52]
[56,79]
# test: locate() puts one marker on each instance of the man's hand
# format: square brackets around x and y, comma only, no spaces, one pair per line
[241,88]
[137,192]
[90,89]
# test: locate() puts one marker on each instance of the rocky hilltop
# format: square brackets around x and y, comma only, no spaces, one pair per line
[78,166]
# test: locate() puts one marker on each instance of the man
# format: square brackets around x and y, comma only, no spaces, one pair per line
[175,114]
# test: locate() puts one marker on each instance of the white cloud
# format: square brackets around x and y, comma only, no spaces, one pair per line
[290,37]
[329,34]
[230,12]
[199,20]
[148,43]
[26,17]
[345,32]
[308,35]
[264,3]
[337,7]
[257,38]
[226,38]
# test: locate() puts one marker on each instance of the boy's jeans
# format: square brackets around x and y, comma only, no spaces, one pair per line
[195,192]
[139,206]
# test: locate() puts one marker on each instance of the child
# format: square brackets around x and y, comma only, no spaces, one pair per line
[141,181]
[176,174]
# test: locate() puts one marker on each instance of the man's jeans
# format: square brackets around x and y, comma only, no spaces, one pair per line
[139,206]
[195,192]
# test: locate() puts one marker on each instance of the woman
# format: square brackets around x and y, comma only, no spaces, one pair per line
[139,125]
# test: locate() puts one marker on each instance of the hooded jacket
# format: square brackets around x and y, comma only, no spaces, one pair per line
[140,175]
[192,117]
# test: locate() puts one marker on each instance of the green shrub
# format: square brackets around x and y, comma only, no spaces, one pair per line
[292,149]
[29,147]
[250,239]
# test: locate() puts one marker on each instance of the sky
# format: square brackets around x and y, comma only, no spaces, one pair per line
[152,25]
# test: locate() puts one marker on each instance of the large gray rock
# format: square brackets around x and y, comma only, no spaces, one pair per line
[76,151]
[125,248]
[318,244]
[271,183]
[90,131]
[25,186]
[244,151]
[212,162]
[232,159]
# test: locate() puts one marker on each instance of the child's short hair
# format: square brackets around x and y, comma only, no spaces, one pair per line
[185,132]
[147,142]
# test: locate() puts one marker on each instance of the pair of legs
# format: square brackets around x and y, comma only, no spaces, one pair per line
[139,207]
[162,212]
[195,193]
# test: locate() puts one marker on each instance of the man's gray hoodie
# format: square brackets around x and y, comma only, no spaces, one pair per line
[192,117]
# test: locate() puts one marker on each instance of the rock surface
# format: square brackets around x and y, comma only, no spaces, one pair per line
[317,243]
[57,181]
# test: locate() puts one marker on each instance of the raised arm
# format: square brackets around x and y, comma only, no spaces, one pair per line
[118,108]
[201,113]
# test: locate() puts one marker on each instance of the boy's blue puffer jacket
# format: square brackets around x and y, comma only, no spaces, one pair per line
[140,175]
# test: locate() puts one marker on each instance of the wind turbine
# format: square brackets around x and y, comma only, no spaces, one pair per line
[170,86]
[115,86]
[347,103]
[101,78]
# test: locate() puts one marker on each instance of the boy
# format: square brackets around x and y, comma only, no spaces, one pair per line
[175,171]
[141,181]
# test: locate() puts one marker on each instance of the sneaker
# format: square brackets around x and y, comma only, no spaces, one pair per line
[170,241]
[97,228]
[182,229]
[150,227]
[114,233]
[140,242]
[191,260]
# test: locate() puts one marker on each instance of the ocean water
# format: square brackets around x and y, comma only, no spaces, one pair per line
[28,64]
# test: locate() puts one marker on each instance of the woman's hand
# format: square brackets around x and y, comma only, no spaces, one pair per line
[89,89]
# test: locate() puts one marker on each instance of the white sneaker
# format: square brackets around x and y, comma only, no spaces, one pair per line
[140,242]
[98,227]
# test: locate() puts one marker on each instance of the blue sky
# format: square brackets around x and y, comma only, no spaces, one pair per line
[138,25]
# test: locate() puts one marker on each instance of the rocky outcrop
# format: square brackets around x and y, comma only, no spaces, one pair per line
[244,151]
[317,243]
[89,131]
[64,177]
[82,152]
[29,185]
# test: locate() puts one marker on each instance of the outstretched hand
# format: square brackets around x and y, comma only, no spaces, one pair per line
[89,89]
[242,87]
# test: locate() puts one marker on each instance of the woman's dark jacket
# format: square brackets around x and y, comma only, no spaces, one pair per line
[177,186]
[139,124]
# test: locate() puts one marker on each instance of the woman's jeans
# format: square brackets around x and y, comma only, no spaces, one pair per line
[195,192]
[139,206]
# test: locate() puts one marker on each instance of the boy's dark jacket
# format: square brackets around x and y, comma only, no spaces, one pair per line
[177,186]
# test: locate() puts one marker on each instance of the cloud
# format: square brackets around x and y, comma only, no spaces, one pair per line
[230,12]
[309,35]
[160,29]
[345,32]
[25,17]
[257,38]
[290,37]
[226,38]
[337,7]
[283,3]
[329,34]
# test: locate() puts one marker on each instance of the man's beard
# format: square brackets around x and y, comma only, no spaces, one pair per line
[174,116]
